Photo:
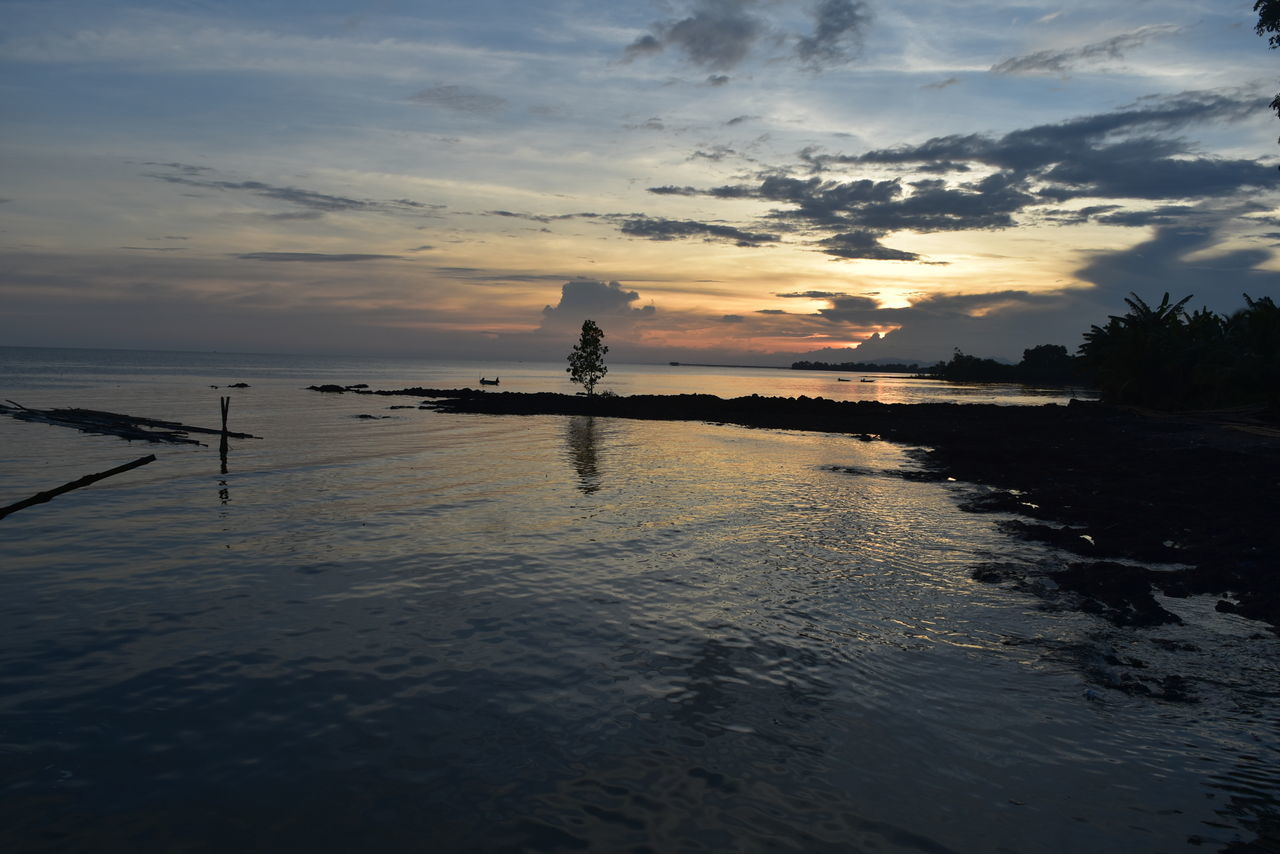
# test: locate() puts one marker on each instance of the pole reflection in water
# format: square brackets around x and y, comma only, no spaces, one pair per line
[581,439]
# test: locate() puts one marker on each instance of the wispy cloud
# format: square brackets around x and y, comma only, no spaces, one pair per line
[462,99]
[1064,60]
[314,203]
[313,257]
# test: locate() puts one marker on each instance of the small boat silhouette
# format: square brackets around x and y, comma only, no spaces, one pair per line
[493,381]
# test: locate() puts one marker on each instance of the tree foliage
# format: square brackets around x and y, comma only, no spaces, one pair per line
[586,361]
[1047,364]
[1166,357]
[1269,22]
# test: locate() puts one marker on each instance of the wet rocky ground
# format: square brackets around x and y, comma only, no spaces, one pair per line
[1196,493]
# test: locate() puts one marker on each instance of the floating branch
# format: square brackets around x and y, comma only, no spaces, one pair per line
[41,497]
[129,427]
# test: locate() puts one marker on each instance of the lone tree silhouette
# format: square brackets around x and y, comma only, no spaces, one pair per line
[586,362]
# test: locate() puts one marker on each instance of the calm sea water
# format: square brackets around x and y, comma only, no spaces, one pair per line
[425,632]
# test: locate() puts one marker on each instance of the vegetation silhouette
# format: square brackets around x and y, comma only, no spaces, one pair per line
[857,367]
[586,361]
[1269,22]
[1160,356]
[1164,357]
[1046,364]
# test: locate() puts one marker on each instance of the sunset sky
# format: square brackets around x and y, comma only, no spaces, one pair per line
[716,180]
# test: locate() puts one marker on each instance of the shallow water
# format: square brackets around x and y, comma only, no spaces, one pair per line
[471,633]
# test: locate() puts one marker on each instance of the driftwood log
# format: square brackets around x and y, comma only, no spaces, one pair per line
[130,427]
[41,497]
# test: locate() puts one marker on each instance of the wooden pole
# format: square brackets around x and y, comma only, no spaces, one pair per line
[225,403]
[41,497]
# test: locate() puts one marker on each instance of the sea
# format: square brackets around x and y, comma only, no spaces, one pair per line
[382,628]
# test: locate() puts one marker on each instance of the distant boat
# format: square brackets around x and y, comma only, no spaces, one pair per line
[842,379]
[493,381]
[867,380]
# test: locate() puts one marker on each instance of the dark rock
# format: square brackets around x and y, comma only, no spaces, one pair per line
[1119,593]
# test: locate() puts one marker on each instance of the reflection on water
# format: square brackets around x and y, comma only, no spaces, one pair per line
[582,450]
[464,633]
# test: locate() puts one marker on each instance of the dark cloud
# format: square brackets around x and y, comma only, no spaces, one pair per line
[715,154]
[737,120]
[865,245]
[732,318]
[718,79]
[426,247]
[813,295]
[311,256]
[671,229]
[1173,260]
[515,215]
[770,311]
[837,34]
[718,35]
[670,190]
[582,299]
[1062,61]
[462,99]
[155,248]
[1044,146]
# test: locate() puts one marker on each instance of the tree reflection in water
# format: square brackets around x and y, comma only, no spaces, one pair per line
[582,452]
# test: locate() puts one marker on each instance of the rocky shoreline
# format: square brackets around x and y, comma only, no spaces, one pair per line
[1102,483]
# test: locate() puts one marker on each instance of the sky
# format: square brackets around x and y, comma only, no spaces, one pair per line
[724,181]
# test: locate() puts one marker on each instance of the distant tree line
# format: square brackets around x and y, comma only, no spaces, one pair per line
[1160,356]
[857,367]
[1047,364]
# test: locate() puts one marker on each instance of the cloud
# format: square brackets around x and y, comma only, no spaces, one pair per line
[717,36]
[311,257]
[1111,159]
[1003,323]
[720,35]
[1062,61]
[837,34]
[813,295]
[863,244]
[1165,215]
[1174,260]
[671,229]
[314,204]
[582,299]
[732,318]
[942,84]
[462,99]
[718,79]
[1115,155]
